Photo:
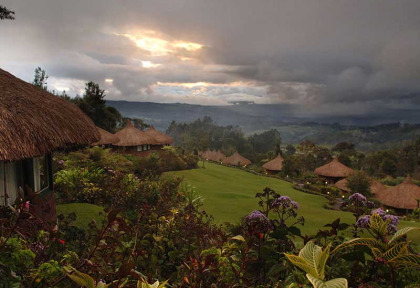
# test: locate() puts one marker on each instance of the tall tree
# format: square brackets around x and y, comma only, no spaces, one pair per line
[6,14]
[40,78]
[94,105]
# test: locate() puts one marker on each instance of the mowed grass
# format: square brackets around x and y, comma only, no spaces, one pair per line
[85,213]
[230,194]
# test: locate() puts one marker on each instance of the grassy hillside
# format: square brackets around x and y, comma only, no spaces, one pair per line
[230,194]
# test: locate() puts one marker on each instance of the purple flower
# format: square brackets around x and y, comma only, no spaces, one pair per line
[258,222]
[295,205]
[363,222]
[393,219]
[379,211]
[283,201]
[357,197]
[61,162]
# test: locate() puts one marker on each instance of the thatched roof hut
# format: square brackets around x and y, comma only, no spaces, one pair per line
[237,160]
[107,138]
[34,122]
[402,196]
[274,165]
[334,169]
[161,138]
[131,136]
[376,187]
[219,156]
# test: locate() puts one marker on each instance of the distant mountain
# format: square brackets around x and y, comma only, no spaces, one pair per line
[371,131]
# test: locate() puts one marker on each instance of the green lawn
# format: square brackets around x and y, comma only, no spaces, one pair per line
[85,213]
[230,194]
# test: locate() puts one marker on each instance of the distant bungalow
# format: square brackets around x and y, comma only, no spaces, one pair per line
[107,139]
[403,196]
[140,143]
[333,171]
[34,123]
[376,187]
[274,166]
[215,156]
[134,141]
[237,160]
[161,139]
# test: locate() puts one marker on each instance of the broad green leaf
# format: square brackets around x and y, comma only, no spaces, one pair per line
[317,283]
[301,263]
[377,224]
[395,251]
[239,238]
[409,259]
[82,279]
[337,283]
[371,242]
[311,253]
[402,232]
[322,261]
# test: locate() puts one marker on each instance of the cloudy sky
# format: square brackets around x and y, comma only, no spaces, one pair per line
[338,54]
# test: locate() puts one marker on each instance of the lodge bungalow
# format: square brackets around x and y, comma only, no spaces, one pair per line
[33,124]
[274,166]
[403,197]
[237,159]
[140,143]
[333,171]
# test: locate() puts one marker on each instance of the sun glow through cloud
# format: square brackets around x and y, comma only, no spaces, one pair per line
[149,64]
[159,45]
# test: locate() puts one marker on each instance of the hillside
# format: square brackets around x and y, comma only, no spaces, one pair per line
[370,132]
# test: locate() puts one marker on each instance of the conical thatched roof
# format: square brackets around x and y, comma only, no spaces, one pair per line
[274,165]
[34,122]
[161,138]
[334,169]
[376,187]
[219,156]
[235,159]
[131,136]
[106,137]
[402,196]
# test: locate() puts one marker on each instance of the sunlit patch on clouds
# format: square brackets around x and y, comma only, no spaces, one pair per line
[219,93]
[149,64]
[158,44]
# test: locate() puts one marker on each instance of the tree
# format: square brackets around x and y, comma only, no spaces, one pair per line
[290,149]
[94,105]
[6,14]
[359,182]
[40,78]
[343,146]
[277,149]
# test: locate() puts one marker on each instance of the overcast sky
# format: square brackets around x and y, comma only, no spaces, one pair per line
[356,55]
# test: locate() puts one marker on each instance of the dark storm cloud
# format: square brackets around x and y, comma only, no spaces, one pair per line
[350,53]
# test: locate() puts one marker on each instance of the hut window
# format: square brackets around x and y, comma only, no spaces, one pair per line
[40,173]
[145,147]
[140,148]
[8,183]
[148,146]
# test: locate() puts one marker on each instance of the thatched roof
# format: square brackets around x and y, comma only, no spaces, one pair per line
[106,137]
[376,187]
[235,159]
[334,169]
[216,156]
[131,136]
[274,165]
[402,196]
[34,122]
[161,138]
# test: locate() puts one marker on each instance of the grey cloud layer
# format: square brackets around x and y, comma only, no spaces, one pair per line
[301,52]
